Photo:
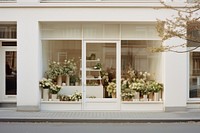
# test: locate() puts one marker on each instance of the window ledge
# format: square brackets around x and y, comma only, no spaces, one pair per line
[61,102]
[142,102]
[194,102]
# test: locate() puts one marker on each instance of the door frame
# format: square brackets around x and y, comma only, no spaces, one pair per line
[107,103]
[3,96]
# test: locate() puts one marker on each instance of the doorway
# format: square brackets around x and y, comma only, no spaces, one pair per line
[8,72]
[101,75]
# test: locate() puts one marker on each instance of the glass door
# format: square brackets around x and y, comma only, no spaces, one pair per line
[100,86]
[9,74]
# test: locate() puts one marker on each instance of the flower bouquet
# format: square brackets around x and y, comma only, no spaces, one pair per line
[111,89]
[45,83]
[54,89]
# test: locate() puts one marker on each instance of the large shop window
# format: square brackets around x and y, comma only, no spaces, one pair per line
[193,31]
[139,69]
[100,67]
[136,54]
[194,91]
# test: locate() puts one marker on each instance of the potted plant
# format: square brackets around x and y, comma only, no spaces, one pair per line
[55,71]
[54,89]
[69,68]
[140,86]
[74,80]
[155,87]
[111,89]
[45,84]
[76,96]
[127,96]
[97,66]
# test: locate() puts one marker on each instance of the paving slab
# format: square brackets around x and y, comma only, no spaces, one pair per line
[11,115]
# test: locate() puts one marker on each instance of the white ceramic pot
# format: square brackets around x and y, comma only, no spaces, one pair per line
[45,94]
[54,97]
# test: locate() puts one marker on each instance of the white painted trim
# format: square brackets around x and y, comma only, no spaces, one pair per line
[8,40]
[188,77]
[88,104]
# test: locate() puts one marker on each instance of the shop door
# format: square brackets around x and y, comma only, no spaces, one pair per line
[8,75]
[100,74]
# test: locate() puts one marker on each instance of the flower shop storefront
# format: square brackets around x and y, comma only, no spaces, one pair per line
[100,66]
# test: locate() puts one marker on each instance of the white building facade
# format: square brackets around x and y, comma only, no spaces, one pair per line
[114,34]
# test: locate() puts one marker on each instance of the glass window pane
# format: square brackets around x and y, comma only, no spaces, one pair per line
[101,70]
[194,75]
[61,63]
[61,30]
[137,63]
[193,34]
[8,31]
[135,31]
[11,73]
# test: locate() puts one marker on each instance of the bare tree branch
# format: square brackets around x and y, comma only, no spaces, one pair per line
[185,25]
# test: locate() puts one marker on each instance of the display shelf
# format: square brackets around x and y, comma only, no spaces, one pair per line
[91,69]
[93,78]
[92,74]
[97,60]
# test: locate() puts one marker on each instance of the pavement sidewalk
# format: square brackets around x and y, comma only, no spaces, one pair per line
[11,115]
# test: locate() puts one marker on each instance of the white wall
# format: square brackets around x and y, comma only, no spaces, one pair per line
[175,78]
[28,64]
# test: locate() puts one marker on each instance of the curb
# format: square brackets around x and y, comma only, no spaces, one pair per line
[98,120]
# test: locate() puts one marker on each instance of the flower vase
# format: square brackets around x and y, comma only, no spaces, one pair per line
[45,94]
[76,83]
[145,98]
[54,97]
[156,96]
[160,95]
[151,97]
[137,96]
[113,95]
[59,80]
[67,80]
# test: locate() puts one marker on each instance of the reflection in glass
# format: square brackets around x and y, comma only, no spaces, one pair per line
[11,73]
[194,75]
